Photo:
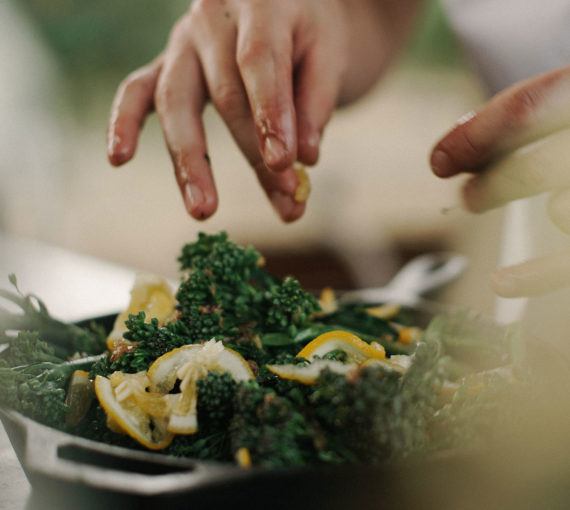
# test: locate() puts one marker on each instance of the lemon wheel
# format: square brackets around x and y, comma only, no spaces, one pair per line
[308,374]
[357,350]
[187,365]
[131,419]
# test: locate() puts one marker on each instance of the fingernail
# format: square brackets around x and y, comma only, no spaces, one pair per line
[441,164]
[116,153]
[274,150]
[193,197]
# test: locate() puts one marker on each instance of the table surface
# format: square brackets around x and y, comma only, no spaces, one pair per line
[74,287]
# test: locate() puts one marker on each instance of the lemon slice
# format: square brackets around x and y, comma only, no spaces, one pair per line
[188,364]
[212,356]
[358,350]
[308,374]
[130,418]
[150,294]
[396,363]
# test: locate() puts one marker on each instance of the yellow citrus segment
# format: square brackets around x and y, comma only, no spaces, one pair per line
[308,374]
[130,418]
[163,371]
[396,363]
[188,364]
[150,294]
[358,350]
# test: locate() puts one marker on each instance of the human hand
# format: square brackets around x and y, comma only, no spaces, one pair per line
[272,69]
[517,145]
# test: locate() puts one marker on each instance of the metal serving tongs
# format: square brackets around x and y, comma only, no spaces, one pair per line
[420,276]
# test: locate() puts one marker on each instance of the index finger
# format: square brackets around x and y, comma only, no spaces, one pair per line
[520,114]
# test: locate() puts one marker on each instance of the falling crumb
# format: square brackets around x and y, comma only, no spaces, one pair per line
[304,187]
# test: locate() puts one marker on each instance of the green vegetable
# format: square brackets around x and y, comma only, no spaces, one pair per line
[64,339]
[149,341]
[226,293]
[38,390]
[26,348]
[216,395]
[271,427]
[372,415]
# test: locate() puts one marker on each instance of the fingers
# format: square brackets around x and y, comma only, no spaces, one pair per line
[315,100]
[531,170]
[227,93]
[132,103]
[533,278]
[180,99]
[281,188]
[513,118]
[265,62]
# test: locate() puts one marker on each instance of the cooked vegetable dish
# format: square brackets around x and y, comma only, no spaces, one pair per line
[240,366]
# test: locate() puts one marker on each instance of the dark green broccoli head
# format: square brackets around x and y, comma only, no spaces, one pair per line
[227,295]
[271,427]
[227,262]
[216,393]
[149,341]
[40,391]
[203,445]
[288,306]
[367,417]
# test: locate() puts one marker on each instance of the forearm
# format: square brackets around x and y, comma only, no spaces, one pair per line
[379,28]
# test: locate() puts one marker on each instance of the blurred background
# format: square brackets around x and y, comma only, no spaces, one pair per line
[375,202]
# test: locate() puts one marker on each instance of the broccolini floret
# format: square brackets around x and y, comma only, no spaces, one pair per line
[289,306]
[216,395]
[26,348]
[271,427]
[147,341]
[37,390]
[65,339]
[226,293]
[371,415]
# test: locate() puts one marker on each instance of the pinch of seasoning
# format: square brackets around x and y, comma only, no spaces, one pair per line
[304,187]
[243,458]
